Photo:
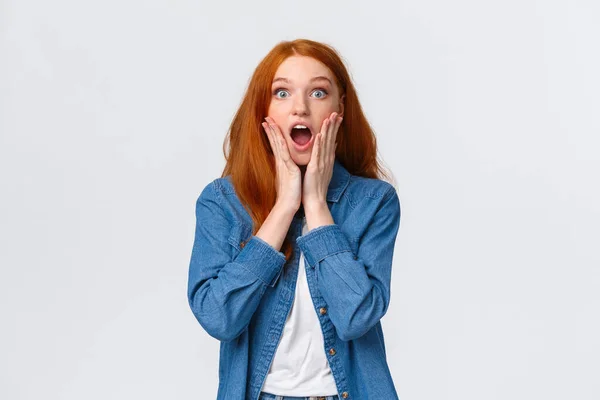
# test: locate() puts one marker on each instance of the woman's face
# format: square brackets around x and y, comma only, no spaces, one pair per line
[303,93]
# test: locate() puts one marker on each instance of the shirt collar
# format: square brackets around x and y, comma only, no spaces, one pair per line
[339,181]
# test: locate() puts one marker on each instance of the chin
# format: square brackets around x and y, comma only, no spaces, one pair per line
[301,160]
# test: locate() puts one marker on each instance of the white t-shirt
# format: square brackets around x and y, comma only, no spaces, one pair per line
[300,366]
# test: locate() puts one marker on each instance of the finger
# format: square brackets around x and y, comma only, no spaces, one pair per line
[276,137]
[272,141]
[327,142]
[332,130]
[324,129]
[314,158]
[323,139]
[324,126]
[280,156]
[282,145]
[268,133]
[283,151]
[335,134]
[336,124]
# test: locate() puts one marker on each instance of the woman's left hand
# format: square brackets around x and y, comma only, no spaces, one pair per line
[320,167]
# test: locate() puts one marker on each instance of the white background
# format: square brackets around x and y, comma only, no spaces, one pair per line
[112,119]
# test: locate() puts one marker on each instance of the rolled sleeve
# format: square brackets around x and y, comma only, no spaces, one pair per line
[322,242]
[261,259]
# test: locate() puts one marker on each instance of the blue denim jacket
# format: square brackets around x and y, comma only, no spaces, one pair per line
[242,294]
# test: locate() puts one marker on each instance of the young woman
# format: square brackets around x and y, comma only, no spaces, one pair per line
[292,256]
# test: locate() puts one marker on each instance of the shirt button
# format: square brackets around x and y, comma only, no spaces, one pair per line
[331,352]
[242,244]
[323,310]
[345,395]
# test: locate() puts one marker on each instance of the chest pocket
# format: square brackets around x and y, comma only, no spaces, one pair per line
[240,234]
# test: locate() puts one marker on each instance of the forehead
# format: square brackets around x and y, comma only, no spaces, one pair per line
[300,69]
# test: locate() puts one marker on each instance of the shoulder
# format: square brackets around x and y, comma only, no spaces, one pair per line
[216,189]
[360,187]
[368,197]
[221,197]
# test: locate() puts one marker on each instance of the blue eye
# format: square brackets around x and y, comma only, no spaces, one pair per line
[277,91]
[322,91]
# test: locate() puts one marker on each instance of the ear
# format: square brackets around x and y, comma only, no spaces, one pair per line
[341,113]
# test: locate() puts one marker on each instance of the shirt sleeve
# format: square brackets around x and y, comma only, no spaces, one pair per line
[356,287]
[224,290]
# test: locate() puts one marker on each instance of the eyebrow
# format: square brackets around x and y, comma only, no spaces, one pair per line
[316,78]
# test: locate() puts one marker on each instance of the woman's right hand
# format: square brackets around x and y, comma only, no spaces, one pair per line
[289,177]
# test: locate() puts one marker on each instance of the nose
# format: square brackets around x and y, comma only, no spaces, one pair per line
[300,106]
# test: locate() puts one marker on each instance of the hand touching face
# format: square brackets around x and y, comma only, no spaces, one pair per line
[320,168]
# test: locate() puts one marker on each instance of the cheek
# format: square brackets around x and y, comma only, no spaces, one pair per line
[326,112]
[277,115]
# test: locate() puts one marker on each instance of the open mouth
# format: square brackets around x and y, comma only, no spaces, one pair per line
[301,135]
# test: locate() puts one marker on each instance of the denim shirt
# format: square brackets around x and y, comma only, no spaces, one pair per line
[242,294]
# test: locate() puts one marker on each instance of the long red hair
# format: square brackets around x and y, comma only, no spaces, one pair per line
[250,160]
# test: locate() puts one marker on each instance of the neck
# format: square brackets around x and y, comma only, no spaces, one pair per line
[302,170]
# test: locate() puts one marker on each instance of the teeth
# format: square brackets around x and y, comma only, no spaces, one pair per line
[300,127]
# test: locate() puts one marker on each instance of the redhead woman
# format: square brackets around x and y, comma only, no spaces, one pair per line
[292,257]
